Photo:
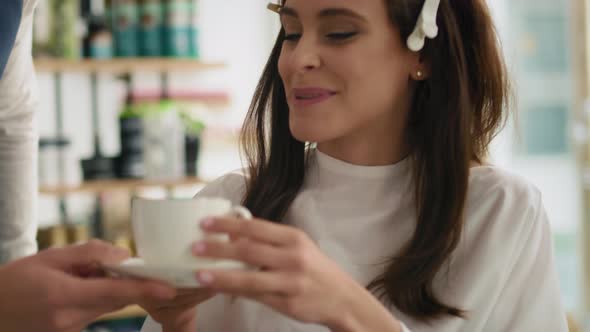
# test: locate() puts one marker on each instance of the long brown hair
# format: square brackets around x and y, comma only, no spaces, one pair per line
[454,116]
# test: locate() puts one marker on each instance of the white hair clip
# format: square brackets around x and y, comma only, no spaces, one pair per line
[425,27]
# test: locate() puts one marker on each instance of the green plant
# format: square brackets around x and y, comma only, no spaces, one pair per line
[129,112]
[192,124]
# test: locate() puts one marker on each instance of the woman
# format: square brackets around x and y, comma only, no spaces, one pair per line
[394,200]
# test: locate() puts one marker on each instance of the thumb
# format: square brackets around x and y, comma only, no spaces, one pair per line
[98,293]
[94,252]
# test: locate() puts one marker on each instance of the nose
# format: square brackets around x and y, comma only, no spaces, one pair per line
[306,55]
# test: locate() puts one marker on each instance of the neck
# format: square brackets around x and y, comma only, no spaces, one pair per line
[373,149]
[379,142]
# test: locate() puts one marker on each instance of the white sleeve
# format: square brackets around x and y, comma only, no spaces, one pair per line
[18,146]
[231,186]
[531,299]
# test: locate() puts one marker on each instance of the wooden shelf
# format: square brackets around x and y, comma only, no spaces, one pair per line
[133,311]
[123,65]
[113,185]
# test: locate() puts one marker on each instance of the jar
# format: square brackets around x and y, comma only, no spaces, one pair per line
[57,163]
[164,143]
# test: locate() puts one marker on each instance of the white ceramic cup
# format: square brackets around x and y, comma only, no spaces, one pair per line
[166,229]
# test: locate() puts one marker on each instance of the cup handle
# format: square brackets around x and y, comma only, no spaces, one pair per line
[241,212]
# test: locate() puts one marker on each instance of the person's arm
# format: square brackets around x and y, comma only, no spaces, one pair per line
[363,312]
[18,144]
[65,289]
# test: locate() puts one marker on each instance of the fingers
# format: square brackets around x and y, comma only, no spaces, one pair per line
[256,229]
[194,292]
[94,252]
[99,293]
[250,252]
[239,282]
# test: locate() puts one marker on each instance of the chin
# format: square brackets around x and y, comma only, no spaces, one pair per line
[310,133]
[314,125]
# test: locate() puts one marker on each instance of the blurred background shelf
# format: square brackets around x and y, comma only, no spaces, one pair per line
[99,186]
[124,65]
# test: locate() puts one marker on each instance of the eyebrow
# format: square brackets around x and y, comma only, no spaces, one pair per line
[325,13]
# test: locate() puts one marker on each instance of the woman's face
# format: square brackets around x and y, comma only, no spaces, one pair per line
[345,69]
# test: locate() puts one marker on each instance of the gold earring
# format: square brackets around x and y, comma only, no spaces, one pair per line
[419,74]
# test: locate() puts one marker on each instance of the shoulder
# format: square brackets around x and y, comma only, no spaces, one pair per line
[230,186]
[503,202]
[500,184]
[504,219]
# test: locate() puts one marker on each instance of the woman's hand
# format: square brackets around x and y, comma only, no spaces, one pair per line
[178,314]
[65,289]
[295,277]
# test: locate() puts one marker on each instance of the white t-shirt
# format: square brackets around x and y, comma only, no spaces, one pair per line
[502,271]
[18,146]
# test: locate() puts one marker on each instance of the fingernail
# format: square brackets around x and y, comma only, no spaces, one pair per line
[205,277]
[199,248]
[208,222]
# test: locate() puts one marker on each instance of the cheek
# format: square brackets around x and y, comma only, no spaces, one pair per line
[283,69]
[382,92]
[376,72]
[373,87]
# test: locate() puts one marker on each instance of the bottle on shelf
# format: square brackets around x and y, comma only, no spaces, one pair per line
[130,163]
[163,141]
[194,31]
[179,33]
[57,163]
[60,18]
[98,42]
[150,28]
[125,22]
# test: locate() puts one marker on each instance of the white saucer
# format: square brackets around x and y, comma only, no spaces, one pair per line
[178,276]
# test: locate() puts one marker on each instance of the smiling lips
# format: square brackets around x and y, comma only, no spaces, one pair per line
[311,96]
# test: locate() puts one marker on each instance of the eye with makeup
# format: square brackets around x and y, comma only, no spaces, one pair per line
[341,36]
[332,36]
[292,36]
[291,29]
